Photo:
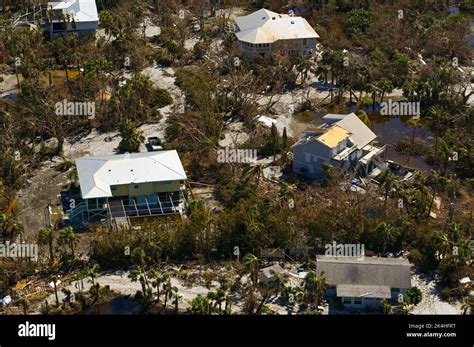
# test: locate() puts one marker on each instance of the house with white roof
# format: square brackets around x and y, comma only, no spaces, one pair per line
[343,141]
[79,16]
[364,283]
[263,32]
[129,185]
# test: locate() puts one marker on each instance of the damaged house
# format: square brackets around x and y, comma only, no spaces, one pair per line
[343,141]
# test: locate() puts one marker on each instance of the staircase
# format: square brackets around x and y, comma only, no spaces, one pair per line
[75,212]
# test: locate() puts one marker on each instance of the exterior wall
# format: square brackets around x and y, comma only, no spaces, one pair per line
[165,187]
[145,189]
[141,189]
[350,161]
[82,28]
[121,190]
[373,303]
[301,46]
[310,157]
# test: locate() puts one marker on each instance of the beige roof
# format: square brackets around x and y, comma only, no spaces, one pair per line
[265,26]
[333,136]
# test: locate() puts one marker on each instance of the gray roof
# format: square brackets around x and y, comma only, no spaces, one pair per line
[357,291]
[361,135]
[369,271]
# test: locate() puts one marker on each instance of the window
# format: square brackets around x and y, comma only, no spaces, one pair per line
[357,301]
[346,300]
[136,186]
[113,188]
[166,182]
[305,42]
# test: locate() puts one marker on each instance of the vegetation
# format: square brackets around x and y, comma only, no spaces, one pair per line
[369,51]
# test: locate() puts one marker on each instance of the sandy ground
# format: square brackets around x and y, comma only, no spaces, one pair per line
[9,84]
[107,143]
[120,283]
[34,198]
[431,302]
[234,135]
[47,183]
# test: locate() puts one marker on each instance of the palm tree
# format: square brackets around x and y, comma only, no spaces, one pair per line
[254,171]
[387,180]
[67,236]
[177,297]
[387,234]
[93,273]
[24,304]
[132,137]
[277,283]
[363,116]
[316,287]
[442,242]
[385,307]
[436,114]
[200,305]
[54,280]
[467,306]
[136,275]
[167,288]
[46,237]
[67,296]
[156,280]
[413,122]
[79,276]
[251,266]
[446,153]
[228,303]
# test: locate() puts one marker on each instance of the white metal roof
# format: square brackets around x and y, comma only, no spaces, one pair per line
[97,174]
[264,26]
[82,10]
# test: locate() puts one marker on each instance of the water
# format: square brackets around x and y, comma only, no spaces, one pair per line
[121,305]
[390,130]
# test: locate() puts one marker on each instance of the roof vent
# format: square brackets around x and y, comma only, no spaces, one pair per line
[263,18]
[273,18]
[292,22]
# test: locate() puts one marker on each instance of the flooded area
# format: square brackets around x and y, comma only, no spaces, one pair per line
[390,130]
[121,305]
